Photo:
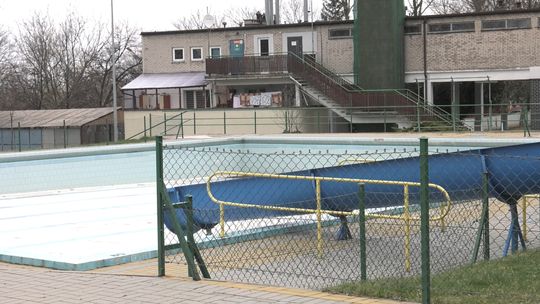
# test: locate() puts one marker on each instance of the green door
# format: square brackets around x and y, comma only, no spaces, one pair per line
[236,48]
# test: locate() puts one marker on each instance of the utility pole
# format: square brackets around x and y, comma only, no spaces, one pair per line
[113,62]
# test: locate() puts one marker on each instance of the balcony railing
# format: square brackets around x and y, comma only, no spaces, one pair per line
[229,65]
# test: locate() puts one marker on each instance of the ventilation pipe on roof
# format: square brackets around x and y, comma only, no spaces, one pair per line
[276,17]
[269,11]
[306,10]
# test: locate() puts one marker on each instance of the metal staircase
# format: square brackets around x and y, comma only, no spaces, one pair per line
[357,105]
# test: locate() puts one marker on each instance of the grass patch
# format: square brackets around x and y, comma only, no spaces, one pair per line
[514,279]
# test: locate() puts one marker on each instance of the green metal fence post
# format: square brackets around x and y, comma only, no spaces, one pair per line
[286,122]
[318,121]
[181,235]
[12,133]
[384,117]
[19,132]
[362,228]
[150,122]
[224,122]
[418,106]
[108,132]
[255,120]
[164,124]
[485,206]
[483,227]
[181,124]
[144,125]
[65,134]
[188,210]
[194,123]
[424,220]
[159,187]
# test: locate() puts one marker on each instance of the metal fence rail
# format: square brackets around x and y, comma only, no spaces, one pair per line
[317,120]
[313,219]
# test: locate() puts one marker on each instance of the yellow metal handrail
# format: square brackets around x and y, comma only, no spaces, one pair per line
[444,208]
[524,212]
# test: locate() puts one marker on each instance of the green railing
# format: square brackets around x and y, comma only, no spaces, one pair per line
[169,123]
[343,91]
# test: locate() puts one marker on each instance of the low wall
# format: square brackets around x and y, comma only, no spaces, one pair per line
[225,122]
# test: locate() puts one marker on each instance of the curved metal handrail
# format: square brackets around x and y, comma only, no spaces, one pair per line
[444,208]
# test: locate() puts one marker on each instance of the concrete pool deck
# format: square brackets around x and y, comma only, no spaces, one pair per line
[79,229]
[22,284]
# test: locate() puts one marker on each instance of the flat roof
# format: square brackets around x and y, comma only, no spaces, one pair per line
[51,118]
[321,22]
[253,27]
[166,81]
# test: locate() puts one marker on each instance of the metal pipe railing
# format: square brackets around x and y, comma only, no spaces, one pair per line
[406,217]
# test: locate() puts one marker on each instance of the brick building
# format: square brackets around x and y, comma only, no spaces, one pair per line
[460,63]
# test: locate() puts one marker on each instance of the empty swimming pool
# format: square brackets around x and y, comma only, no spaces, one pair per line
[90,207]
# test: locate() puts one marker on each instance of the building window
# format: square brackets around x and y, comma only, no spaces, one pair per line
[340,33]
[493,25]
[439,27]
[503,24]
[178,54]
[264,47]
[195,99]
[196,54]
[523,23]
[451,27]
[413,29]
[463,27]
[215,52]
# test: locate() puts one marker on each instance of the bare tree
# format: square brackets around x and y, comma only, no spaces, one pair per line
[236,17]
[231,17]
[5,51]
[443,7]
[336,10]
[66,64]
[128,56]
[468,6]
[78,46]
[418,7]
[35,46]
[192,22]
[292,11]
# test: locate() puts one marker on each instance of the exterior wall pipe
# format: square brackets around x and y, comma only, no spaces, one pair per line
[424,49]
[277,18]
[306,18]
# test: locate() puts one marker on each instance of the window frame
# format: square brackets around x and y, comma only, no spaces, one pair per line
[463,30]
[202,53]
[506,27]
[213,48]
[451,27]
[349,29]
[267,53]
[527,26]
[418,25]
[196,101]
[174,59]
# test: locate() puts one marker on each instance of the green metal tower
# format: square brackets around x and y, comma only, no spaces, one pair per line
[378,44]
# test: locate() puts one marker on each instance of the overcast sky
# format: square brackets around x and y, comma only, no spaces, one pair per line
[147,15]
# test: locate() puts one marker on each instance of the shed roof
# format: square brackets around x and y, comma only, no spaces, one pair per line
[51,118]
[166,81]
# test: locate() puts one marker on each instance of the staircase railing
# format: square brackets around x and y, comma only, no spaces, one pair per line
[178,123]
[347,94]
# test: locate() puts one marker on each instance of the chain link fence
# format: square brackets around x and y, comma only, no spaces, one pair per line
[296,219]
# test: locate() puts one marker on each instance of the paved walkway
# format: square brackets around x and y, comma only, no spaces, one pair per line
[21,284]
